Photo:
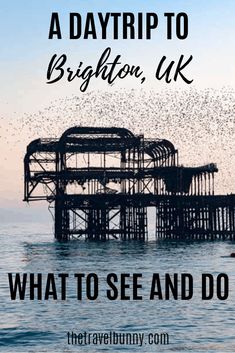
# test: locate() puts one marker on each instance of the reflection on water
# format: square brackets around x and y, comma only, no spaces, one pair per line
[193,325]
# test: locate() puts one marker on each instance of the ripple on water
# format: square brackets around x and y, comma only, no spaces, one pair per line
[193,325]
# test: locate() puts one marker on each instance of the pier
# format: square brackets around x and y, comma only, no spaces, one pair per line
[100,183]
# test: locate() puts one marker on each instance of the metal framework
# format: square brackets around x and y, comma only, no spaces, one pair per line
[101,181]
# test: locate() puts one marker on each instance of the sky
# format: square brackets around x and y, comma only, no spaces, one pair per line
[26,49]
[26,99]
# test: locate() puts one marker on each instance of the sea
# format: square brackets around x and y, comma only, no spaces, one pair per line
[100,312]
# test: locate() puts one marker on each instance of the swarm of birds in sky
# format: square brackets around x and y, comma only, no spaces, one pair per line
[200,123]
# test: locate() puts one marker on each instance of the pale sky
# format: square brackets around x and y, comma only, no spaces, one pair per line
[26,51]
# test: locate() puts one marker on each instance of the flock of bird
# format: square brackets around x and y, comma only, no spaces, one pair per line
[200,123]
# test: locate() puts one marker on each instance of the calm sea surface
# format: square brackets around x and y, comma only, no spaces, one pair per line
[42,326]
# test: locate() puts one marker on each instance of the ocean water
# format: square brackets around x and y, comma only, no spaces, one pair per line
[193,325]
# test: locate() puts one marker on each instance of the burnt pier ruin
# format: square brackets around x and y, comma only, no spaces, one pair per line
[102,181]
